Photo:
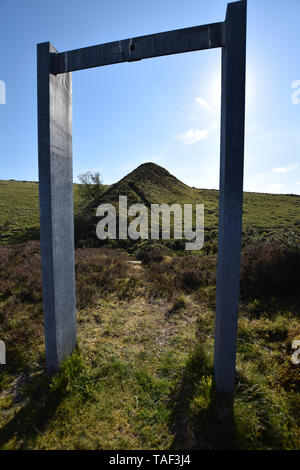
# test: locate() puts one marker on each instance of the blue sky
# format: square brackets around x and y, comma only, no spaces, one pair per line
[165,110]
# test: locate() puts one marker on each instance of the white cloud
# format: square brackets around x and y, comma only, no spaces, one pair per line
[285,169]
[192,136]
[298,182]
[270,188]
[202,102]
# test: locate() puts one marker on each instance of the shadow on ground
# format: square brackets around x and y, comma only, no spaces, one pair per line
[200,419]
[38,406]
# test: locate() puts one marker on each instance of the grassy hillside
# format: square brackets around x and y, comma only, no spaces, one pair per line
[142,377]
[19,210]
[149,183]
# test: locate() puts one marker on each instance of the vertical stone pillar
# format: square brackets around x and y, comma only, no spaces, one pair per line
[231,196]
[56,206]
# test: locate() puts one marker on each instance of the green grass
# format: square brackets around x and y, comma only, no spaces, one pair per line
[149,183]
[19,210]
[142,377]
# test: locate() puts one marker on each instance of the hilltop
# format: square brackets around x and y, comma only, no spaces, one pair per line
[148,183]
[142,377]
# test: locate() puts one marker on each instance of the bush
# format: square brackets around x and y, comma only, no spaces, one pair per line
[101,271]
[270,270]
[180,303]
[21,319]
[181,274]
[20,272]
[91,187]
[98,272]
[152,253]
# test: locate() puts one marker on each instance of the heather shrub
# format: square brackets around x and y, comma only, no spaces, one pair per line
[192,277]
[288,237]
[289,376]
[211,242]
[180,302]
[152,253]
[20,272]
[180,274]
[270,270]
[100,271]
[192,272]
[21,320]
